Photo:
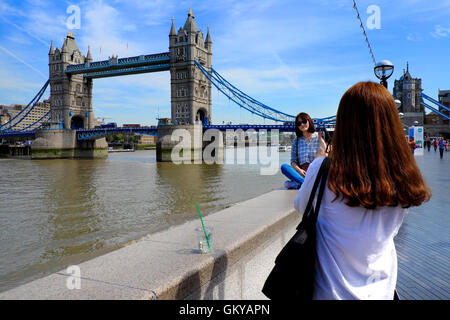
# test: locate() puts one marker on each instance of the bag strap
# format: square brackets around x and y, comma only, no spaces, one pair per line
[323,171]
[326,166]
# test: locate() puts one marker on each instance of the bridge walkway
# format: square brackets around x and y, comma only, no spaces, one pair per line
[423,242]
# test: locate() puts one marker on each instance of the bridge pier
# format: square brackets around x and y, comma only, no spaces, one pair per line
[63,143]
[170,136]
[185,143]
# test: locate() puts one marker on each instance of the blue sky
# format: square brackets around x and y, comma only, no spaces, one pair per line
[291,55]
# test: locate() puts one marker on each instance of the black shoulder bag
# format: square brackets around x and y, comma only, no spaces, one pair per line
[293,274]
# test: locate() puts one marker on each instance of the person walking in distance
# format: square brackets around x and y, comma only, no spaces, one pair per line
[435,144]
[412,144]
[441,147]
[367,195]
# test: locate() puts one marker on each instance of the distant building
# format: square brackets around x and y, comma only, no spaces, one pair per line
[145,139]
[408,90]
[8,113]
[444,98]
[432,118]
[164,121]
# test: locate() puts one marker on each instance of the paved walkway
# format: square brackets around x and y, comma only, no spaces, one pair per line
[423,242]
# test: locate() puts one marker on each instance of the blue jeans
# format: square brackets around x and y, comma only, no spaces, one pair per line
[291,173]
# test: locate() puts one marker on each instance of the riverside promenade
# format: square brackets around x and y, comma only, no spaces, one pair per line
[246,239]
[423,241]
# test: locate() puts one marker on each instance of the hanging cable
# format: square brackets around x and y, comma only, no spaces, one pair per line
[246,102]
[27,109]
[364,32]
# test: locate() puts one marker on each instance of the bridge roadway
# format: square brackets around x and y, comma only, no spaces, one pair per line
[122,66]
[90,134]
[152,130]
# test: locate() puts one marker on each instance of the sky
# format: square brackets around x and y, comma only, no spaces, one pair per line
[294,56]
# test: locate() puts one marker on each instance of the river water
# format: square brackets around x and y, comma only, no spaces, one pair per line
[55,213]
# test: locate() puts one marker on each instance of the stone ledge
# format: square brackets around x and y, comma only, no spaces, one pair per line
[167,265]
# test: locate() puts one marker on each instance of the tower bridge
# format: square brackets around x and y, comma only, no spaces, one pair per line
[72,74]
[68,129]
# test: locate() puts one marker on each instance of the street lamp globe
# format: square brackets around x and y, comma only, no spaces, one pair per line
[383,70]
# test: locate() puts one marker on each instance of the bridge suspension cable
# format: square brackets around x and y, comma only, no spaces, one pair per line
[245,96]
[47,116]
[250,104]
[242,99]
[435,102]
[435,110]
[27,109]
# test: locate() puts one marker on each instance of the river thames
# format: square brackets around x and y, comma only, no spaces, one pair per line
[56,213]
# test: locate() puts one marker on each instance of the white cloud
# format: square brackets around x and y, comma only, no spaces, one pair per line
[152,13]
[440,32]
[45,24]
[110,31]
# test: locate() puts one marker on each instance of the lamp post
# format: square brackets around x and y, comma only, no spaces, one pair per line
[383,70]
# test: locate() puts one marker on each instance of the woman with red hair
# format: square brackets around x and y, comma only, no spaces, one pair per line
[372,181]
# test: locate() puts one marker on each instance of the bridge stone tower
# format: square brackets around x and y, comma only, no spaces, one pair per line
[190,89]
[408,90]
[71,109]
[70,96]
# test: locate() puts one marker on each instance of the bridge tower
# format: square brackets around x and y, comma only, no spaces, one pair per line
[70,109]
[70,96]
[190,90]
[408,90]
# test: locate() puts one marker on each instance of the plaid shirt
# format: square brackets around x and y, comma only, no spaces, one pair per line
[302,151]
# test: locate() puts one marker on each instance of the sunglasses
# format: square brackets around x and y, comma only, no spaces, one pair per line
[303,121]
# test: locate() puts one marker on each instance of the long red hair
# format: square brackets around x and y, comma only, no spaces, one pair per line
[371,163]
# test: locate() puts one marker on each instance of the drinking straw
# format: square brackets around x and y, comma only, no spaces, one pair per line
[204,230]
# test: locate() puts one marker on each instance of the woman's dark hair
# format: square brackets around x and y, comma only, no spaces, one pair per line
[303,115]
[371,162]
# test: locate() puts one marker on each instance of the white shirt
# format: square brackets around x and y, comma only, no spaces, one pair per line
[356,257]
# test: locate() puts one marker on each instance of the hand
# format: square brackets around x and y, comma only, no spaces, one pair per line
[302,172]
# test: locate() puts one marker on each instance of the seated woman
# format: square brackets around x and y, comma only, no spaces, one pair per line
[307,146]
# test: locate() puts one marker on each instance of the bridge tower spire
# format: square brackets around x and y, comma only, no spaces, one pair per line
[190,90]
